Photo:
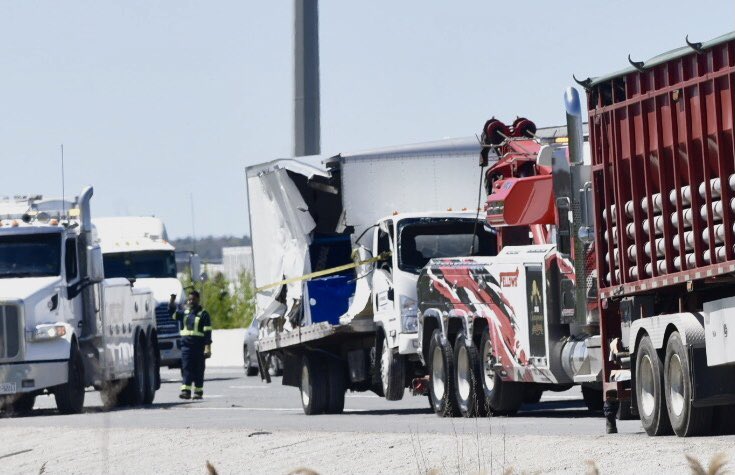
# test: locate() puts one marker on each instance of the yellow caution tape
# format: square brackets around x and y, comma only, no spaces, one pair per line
[320,273]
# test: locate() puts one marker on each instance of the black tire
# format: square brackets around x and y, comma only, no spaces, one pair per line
[20,405]
[593,398]
[134,392]
[532,393]
[468,390]
[441,372]
[649,382]
[392,367]
[70,395]
[251,371]
[502,398]
[376,384]
[686,420]
[337,387]
[152,374]
[314,385]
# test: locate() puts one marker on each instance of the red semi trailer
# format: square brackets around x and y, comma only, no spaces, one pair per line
[663,180]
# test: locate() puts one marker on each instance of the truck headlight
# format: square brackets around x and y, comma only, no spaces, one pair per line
[409,315]
[45,332]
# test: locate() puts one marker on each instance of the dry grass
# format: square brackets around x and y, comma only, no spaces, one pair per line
[717,465]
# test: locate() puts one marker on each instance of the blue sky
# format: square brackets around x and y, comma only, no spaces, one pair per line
[157,100]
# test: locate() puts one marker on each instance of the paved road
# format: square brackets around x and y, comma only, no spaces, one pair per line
[234,401]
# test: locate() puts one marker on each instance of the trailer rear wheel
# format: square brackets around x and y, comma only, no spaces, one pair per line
[502,398]
[314,385]
[441,370]
[392,372]
[152,375]
[70,395]
[686,420]
[649,380]
[468,374]
[133,393]
[337,387]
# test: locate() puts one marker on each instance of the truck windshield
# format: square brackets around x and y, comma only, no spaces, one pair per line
[424,239]
[140,265]
[30,255]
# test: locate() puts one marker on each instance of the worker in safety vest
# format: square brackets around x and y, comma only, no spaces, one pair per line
[195,327]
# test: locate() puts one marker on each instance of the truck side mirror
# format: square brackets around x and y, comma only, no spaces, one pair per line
[95,266]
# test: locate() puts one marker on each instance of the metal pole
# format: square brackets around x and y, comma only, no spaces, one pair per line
[306,78]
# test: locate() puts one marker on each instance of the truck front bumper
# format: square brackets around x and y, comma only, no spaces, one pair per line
[170,350]
[408,343]
[31,376]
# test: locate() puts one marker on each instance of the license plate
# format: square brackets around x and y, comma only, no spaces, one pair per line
[7,388]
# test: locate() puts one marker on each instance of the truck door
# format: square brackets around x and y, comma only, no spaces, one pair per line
[71,301]
[383,295]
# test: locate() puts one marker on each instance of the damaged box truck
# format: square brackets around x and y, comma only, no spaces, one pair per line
[338,245]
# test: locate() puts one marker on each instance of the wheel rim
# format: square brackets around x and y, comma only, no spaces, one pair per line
[676,385]
[463,376]
[385,360]
[305,393]
[646,384]
[488,362]
[437,374]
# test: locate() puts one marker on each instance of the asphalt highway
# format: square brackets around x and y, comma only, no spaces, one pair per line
[235,401]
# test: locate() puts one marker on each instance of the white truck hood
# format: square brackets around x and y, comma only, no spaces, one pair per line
[162,288]
[23,288]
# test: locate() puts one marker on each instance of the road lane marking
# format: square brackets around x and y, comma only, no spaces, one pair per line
[266,409]
[250,387]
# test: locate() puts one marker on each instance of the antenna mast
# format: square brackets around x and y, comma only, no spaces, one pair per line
[63,191]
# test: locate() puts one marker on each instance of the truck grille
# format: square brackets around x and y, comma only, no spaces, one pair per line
[9,331]
[164,323]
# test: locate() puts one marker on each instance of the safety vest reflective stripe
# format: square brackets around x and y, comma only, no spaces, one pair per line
[207,329]
[193,332]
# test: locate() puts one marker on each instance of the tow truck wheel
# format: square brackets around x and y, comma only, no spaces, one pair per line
[250,369]
[151,371]
[392,372]
[441,370]
[649,380]
[502,398]
[337,387]
[134,392]
[467,385]
[314,385]
[70,395]
[686,420]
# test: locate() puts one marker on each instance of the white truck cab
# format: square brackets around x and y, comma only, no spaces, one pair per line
[137,247]
[63,326]
[411,239]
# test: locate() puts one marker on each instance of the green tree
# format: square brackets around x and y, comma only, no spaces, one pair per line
[230,304]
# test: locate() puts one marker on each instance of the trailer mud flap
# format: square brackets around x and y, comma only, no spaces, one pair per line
[713,385]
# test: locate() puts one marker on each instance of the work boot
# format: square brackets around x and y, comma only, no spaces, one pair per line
[611,425]
[185,394]
[198,394]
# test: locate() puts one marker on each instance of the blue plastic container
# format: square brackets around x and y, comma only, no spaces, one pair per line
[329,297]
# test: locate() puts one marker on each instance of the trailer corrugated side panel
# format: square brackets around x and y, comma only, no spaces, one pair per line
[664,169]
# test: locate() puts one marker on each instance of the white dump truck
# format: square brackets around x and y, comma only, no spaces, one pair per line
[337,249]
[137,247]
[64,326]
